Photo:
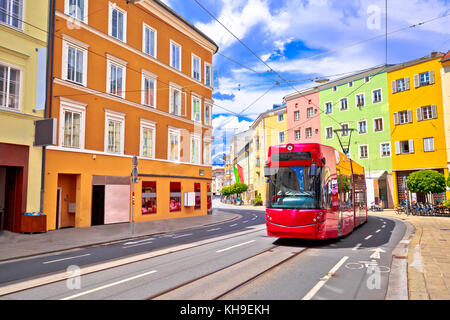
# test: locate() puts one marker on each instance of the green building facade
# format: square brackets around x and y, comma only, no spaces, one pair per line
[360,102]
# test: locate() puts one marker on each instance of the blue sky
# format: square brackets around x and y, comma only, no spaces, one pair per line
[302,40]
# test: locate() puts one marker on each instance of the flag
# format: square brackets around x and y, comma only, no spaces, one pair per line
[241,174]
[236,175]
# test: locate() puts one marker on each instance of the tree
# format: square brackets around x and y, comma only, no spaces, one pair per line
[239,188]
[426,181]
[448,181]
[226,191]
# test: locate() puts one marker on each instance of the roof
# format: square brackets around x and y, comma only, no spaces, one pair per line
[446,57]
[190,25]
[432,56]
[264,114]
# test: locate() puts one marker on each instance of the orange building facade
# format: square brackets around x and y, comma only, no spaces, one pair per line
[128,79]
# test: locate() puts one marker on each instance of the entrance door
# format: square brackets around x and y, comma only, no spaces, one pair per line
[12,200]
[98,205]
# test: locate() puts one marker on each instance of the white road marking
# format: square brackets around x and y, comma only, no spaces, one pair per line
[378,231]
[138,241]
[108,285]
[322,281]
[84,255]
[215,229]
[253,218]
[368,237]
[245,221]
[357,246]
[235,246]
[183,235]
[138,244]
[233,225]
[383,226]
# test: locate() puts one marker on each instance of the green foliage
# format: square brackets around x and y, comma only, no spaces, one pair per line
[426,181]
[240,188]
[446,203]
[448,181]
[258,200]
[226,191]
[343,183]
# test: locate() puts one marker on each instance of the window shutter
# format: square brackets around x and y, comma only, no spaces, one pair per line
[434,111]
[431,77]
[410,119]
[411,146]
[407,83]
[416,81]
[394,86]
[419,114]
[397,147]
[396,118]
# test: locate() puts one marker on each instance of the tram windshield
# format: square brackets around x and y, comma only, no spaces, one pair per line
[295,187]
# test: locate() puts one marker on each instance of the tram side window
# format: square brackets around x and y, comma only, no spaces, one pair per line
[327,190]
[345,191]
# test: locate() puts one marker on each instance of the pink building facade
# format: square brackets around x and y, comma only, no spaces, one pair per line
[303,116]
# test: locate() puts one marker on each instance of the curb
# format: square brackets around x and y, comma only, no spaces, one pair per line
[113,241]
[398,277]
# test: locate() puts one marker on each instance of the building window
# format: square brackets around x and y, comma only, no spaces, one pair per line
[377,96]
[208,114]
[334,89]
[280,117]
[117,22]
[400,85]
[360,100]
[207,152]
[175,197]
[77,9]
[350,84]
[362,127]
[345,131]
[148,91]
[115,127]
[208,74]
[329,133]
[329,107]
[367,79]
[310,112]
[297,135]
[281,137]
[296,115]
[196,109]
[149,41]
[196,68]
[149,197]
[175,55]
[403,117]
[174,145]
[426,113]
[10,79]
[198,197]
[195,148]
[148,133]
[11,13]
[308,133]
[175,101]
[378,125]
[363,152]
[74,63]
[72,128]
[428,144]
[344,104]
[116,79]
[404,147]
[385,149]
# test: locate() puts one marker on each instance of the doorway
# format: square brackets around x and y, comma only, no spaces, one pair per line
[98,205]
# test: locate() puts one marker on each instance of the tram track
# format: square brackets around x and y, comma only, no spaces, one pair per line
[235,276]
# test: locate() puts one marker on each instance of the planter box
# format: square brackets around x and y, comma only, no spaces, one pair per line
[32,224]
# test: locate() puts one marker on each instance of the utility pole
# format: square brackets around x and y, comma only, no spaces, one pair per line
[135,179]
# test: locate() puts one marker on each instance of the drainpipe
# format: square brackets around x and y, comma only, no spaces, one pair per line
[48,85]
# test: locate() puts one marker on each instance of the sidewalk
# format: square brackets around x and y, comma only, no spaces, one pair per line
[16,245]
[428,256]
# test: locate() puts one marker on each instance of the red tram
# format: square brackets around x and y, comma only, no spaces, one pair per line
[313,192]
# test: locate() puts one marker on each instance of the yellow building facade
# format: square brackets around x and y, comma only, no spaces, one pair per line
[269,129]
[23,38]
[416,122]
[445,78]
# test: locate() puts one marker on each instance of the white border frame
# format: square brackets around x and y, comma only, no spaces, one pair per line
[382,121]
[171,42]
[110,62]
[195,97]
[117,117]
[325,107]
[21,87]
[367,128]
[154,78]
[356,99]
[332,133]
[147,124]
[146,26]
[194,56]
[124,12]
[340,104]
[72,106]
[85,12]
[210,75]
[78,45]
[359,151]
[381,149]
[381,101]
[198,137]
[176,132]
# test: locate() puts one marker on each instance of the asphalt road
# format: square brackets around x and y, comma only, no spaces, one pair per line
[247,266]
